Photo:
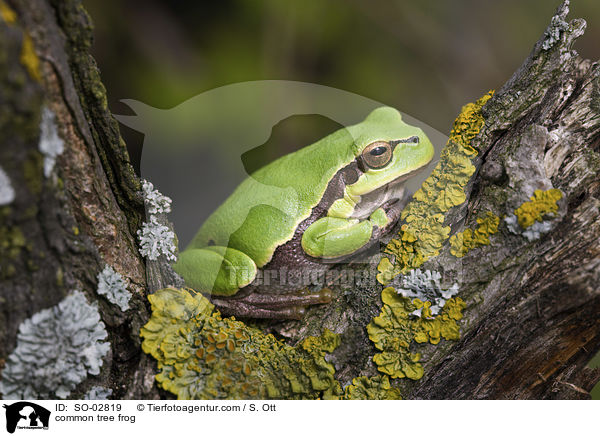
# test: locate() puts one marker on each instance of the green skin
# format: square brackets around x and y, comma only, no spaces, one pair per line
[261,223]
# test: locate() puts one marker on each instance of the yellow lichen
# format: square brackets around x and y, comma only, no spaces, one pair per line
[423,234]
[395,329]
[12,242]
[8,15]
[386,270]
[542,203]
[372,388]
[204,356]
[462,242]
[421,237]
[30,59]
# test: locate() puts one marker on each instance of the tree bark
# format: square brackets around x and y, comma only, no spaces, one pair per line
[531,323]
[85,215]
[536,325]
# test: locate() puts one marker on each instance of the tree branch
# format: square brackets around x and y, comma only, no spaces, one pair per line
[520,237]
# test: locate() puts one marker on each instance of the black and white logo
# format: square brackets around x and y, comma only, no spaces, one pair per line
[26,415]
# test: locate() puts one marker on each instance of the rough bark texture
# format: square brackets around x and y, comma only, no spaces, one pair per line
[86,214]
[531,323]
[536,323]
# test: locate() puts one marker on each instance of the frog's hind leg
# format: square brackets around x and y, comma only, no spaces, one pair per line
[217,270]
[273,306]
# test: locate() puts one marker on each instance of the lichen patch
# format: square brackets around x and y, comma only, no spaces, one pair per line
[541,203]
[461,243]
[534,218]
[7,192]
[425,286]
[372,388]
[552,35]
[112,285]
[30,59]
[157,240]
[204,356]
[8,15]
[394,330]
[56,350]
[51,145]
[156,203]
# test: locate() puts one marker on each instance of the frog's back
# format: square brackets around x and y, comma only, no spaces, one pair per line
[265,209]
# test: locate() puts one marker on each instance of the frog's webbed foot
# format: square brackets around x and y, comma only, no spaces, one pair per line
[272,306]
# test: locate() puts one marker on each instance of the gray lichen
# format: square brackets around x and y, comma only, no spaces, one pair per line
[98,393]
[156,240]
[51,145]
[7,193]
[426,286]
[113,287]
[156,203]
[533,232]
[552,35]
[56,349]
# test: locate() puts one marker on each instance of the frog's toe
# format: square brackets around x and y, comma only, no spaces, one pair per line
[276,301]
[297,312]
[275,306]
[220,270]
[242,309]
[325,295]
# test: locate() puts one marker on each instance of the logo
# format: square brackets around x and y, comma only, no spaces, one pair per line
[26,415]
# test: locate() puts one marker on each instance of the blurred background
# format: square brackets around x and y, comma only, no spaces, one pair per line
[426,58]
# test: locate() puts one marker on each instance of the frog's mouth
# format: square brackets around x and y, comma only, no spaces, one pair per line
[379,196]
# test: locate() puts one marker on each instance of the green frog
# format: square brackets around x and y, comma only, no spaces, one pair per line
[305,211]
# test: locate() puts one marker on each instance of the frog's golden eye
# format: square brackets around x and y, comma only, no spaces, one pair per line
[377,154]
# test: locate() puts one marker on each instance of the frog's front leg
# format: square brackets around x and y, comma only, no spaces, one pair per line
[387,216]
[333,237]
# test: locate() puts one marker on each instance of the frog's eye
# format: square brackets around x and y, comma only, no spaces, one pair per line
[377,154]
